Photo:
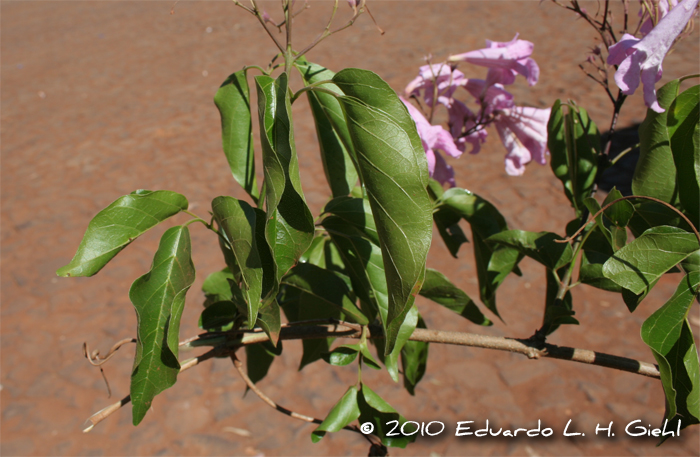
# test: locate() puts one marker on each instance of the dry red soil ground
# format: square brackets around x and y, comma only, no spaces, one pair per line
[102,98]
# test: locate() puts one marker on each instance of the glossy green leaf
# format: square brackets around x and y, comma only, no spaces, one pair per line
[333,136]
[648,214]
[159,299]
[655,174]
[290,228]
[342,355]
[377,411]
[259,358]
[574,144]
[113,228]
[414,361]
[493,263]
[645,259]
[540,246]
[440,290]
[342,413]
[393,168]
[328,288]
[683,123]
[233,101]
[238,222]
[669,336]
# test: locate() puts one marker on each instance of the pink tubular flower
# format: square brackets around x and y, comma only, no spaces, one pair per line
[504,60]
[643,57]
[435,138]
[523,131]
[447,79]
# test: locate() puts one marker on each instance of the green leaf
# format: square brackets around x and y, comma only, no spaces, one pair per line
[342,413]
[621,212]
[216,287]
[447,223]
[692,262]
[648,214]
[233,101]
[394,170]
[574,144]
[332,136]
[356,212]
[269,320]
[328,288]
[238,222]
[655,174]
[540,246]
[645,259]
[683,123]
[159,298]
[290,227]
[364,264]
[391,360]
[493,264]
[663,328]
[342,355]
[414,361]
[440,290]
[218,317]
[113,228]
[668,334]
[375,410]
[591,272]
[367,356]
[259,358]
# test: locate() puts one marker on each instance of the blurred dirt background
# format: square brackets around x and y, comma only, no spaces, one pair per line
[102,98]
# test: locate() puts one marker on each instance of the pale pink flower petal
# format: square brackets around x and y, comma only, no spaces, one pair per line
[523,132]
[505,60]
[447,79]
[644,58]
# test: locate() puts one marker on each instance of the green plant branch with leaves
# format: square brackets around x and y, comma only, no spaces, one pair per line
[355,270]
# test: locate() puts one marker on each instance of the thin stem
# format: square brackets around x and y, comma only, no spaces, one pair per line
[624,153]
[257,13]
[251,385]
[643,197]
[520,346]
[114,407]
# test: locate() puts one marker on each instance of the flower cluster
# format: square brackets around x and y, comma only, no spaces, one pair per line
[522,130]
